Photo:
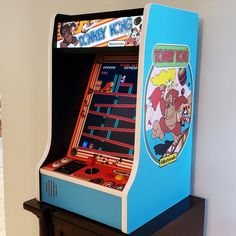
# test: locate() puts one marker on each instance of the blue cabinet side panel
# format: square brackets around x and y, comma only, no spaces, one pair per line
[88,202]
[156,188]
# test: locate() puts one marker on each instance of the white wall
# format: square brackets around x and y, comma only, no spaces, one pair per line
[23,84]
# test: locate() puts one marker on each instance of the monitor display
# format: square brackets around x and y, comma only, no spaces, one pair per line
[106,124]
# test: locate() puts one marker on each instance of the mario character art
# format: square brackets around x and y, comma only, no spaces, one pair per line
[133,39]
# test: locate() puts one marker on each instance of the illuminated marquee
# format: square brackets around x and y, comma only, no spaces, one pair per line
[112,32]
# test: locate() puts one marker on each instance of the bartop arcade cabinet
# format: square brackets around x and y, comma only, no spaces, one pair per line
[121,114]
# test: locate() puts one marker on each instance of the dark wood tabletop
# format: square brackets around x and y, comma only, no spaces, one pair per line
[186,218]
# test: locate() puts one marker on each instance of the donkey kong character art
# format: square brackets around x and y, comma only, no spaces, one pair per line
[67,32]
[169,108]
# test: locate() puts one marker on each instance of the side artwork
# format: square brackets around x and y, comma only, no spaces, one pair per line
[168,108]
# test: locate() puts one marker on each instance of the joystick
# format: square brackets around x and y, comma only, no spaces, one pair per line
[91,161]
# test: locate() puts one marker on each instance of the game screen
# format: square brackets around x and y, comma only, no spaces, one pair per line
[102,146]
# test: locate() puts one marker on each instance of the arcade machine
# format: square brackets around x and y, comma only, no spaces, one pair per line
[121,114]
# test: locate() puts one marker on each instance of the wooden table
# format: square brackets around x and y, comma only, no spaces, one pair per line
[184,219]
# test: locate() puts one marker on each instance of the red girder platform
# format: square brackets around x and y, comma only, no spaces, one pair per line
[115,105]
[109,140]
[112,129]
[112,116]
[116,94]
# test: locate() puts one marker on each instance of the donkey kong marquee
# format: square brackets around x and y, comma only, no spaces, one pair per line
[110,32]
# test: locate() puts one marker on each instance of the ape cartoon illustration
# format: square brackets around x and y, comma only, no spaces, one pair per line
[163,82]
[169,106]
[67,32]
[155,98]
[168,103]
[107,88]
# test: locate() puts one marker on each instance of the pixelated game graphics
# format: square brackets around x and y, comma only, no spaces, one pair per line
[109,127]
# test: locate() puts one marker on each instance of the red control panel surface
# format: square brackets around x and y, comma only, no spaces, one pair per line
[92,171]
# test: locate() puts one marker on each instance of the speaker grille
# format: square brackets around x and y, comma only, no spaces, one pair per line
[51,189]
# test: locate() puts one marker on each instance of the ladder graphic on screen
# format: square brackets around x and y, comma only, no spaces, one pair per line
[110,125]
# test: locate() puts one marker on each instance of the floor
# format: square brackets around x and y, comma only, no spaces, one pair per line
[2,222]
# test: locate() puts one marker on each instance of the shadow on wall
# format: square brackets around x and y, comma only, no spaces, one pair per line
[197,85]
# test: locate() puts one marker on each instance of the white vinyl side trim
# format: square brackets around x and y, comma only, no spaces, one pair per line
[138,120]
[49,110]
[81,182]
